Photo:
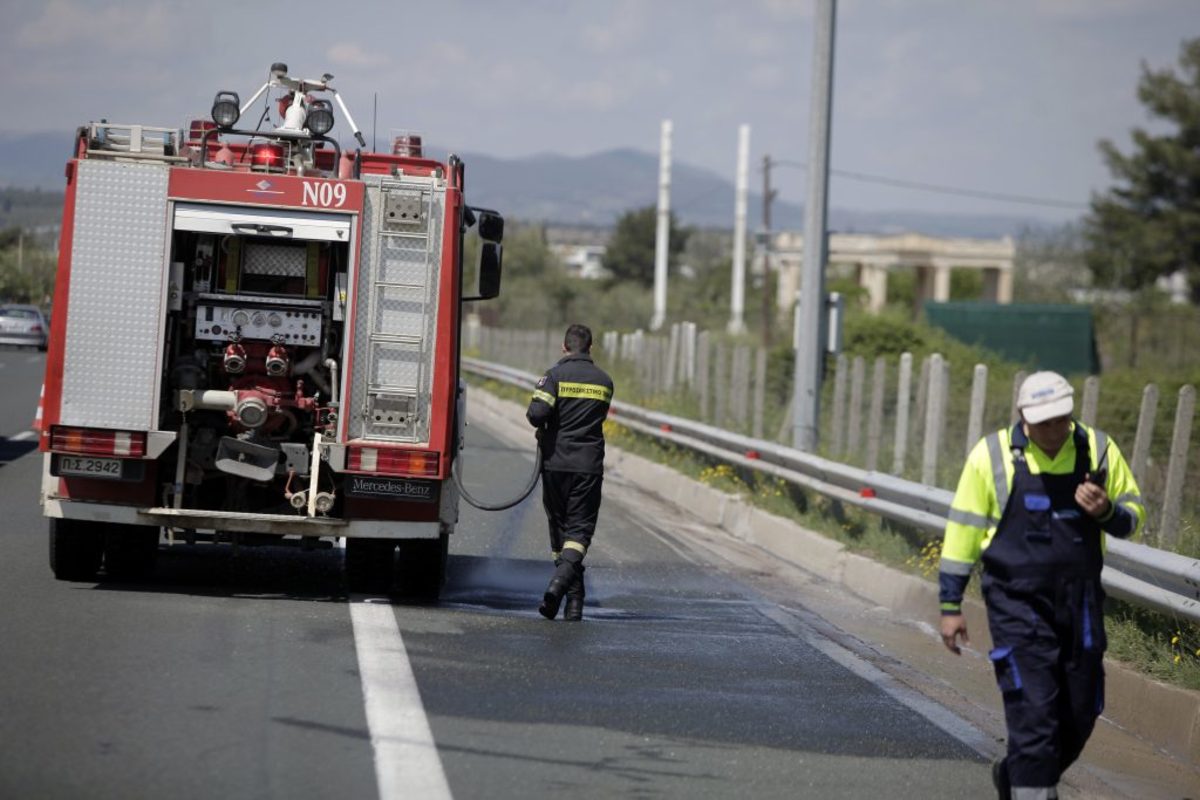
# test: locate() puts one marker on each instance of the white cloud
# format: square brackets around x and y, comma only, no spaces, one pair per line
[353,55]
[147,27]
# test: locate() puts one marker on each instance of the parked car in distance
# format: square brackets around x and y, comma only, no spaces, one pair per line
[24,326]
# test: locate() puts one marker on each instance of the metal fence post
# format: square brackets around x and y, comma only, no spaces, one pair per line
[978,402]
[1177,467]
[934,413]
[1018,379]
[702,352]
[760,391]
[1091,401]
[740,385]
[875,419]
[1145,434]
[903,399]
[720,386]
[837,439]
[858,370]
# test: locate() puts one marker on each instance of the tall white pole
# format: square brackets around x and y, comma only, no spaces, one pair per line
[811,343]
[663,235]
[737,293]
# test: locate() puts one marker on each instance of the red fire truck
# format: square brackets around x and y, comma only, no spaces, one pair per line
[256,339]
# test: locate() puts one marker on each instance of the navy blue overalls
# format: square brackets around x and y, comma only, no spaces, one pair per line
[1041,584]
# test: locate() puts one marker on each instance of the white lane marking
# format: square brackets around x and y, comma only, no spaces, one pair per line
[406,758]
[23,435]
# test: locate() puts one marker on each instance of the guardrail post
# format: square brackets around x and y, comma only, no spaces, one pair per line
[1091,401]
[702,353]
[858,370]
[720,385]
[875,420]
[1177,467]
[903,399]
[1145,433]
[760,391]
[934,415]
[1018,379]
[978,402]
[740,385]
[837,440]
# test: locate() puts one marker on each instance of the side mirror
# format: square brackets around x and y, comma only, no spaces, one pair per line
[491,226]
[489,269]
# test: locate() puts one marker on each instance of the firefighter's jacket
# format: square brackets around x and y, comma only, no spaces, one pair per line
[568,407]
[984,491]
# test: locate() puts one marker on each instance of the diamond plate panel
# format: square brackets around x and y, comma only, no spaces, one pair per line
[405,259]
[413,260]
[283,262]
[114,314]
[400,310]
[397,365]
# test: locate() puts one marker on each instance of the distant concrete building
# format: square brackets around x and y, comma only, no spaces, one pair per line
[870,258]
[579,249]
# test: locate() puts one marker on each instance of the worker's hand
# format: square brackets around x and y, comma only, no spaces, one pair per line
[1092,498]
[954,627]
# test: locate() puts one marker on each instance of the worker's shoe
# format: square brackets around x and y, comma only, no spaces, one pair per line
[553,597]
[575,594]
[1000,779]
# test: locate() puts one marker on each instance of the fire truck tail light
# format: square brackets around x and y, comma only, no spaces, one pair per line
[394,461]
[96,442]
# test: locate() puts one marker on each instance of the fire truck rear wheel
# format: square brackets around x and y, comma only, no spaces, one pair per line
[369,565]
[421,569]
[130,552]
[76,547]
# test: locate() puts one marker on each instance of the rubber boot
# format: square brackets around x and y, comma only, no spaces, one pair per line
[1000,779]
[575,594]
[565,574]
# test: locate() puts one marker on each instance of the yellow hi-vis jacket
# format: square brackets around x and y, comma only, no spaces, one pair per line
[984,488]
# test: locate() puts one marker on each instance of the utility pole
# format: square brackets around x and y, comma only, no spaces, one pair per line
[812,320]
[737,293]
[663,234]
[768,196]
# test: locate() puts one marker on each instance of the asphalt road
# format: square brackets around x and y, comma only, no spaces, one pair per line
[237,676]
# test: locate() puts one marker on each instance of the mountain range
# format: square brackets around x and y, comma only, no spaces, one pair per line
[591,190]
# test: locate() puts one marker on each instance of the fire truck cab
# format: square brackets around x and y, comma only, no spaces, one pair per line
[256,340]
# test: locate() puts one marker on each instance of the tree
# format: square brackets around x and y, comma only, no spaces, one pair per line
[1148,225]
[630,252]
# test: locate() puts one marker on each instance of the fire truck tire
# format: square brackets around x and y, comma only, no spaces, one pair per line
[130,552]
[76,547]
[421,570]
[369,565]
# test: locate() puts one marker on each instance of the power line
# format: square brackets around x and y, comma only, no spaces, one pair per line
[938,189]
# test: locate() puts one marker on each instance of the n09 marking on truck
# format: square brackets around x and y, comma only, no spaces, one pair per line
[324,194]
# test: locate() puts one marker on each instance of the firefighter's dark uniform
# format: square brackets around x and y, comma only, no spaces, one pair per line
[1015,511]
[569,406]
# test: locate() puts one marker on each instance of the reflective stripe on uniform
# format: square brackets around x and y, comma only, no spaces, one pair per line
[587,391]
[555,554]
[999,473]
[571,545]
[545,397]
[967,518]
[952,567]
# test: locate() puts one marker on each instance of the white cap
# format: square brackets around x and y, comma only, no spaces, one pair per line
[1045,395]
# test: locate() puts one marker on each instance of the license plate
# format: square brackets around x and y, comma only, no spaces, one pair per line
[90,467]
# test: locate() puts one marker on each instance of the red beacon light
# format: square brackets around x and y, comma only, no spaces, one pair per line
[267,156]
[408,145]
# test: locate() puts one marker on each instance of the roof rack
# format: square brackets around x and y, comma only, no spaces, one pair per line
[138,142]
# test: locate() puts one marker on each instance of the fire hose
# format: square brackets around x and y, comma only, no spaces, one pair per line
[533,479]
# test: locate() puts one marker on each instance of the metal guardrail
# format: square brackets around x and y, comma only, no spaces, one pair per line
[1164,581]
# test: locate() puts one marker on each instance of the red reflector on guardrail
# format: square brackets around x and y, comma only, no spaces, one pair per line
[866,491]
[752,455]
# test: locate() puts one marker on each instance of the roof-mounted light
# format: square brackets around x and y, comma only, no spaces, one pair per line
[320,117]
[226,109]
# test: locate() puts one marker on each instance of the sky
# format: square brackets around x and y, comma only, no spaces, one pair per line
[994,96]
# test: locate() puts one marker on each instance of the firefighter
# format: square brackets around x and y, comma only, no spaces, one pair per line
[1032,505]
[568,407]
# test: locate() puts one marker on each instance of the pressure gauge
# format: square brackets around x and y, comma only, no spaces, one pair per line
[274,320]
[240,318]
